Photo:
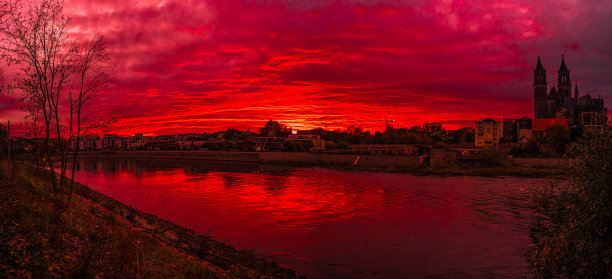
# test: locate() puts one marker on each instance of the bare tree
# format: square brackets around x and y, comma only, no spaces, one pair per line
[91,68]
[35,37]
[33,125]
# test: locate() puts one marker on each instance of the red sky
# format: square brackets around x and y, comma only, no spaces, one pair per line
[194,66]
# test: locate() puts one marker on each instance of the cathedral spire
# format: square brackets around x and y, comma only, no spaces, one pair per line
[576,91]
[565,86]
[540,93]
[539,67]
[539,74]
[563,68]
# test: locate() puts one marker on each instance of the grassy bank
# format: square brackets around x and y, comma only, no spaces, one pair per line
[42,236]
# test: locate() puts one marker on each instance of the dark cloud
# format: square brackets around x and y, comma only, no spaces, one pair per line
[184,66]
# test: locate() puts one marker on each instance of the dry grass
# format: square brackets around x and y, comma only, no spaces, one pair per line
[41,236]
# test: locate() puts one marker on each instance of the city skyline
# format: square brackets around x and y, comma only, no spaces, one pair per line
[187,67]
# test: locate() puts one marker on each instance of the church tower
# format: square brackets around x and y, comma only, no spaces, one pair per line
[539,91]
[564,86]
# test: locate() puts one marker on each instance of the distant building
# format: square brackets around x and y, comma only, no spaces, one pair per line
[111,142]
[136,142]
[551,106]
[488,132]
[313,142]
[541,125]
[517,130]
[558,102]
[192,141]
[90,143]
[524,129]
[163,142]
[510,130]
[270,143]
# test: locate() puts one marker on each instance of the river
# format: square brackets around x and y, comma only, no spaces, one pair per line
[327,223]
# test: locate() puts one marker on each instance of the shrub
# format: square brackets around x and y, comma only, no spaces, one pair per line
[575,240]
[531,147]
[558,137]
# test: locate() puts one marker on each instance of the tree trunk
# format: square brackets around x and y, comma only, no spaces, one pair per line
[76,151]
[78,139]
[61,150]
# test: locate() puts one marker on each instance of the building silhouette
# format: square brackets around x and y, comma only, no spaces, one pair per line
[558,102]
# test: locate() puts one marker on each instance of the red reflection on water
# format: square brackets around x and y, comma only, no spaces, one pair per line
[328,223]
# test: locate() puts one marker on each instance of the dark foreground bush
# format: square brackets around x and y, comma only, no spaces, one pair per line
[575,235]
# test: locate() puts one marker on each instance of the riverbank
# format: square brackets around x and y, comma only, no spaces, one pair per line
[534,167]
[513,171]
[94,236]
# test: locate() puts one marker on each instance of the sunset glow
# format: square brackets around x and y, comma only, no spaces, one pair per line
[195,66]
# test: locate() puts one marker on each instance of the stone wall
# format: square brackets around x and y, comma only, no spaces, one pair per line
[542,162]
[194,155]
[365,161]
[440,157]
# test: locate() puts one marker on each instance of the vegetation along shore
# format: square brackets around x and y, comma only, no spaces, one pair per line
[93,236]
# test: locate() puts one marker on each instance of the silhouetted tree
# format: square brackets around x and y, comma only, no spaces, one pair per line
[36,38]
[91,73]
[234,134]
[575,237]
[415,129]
[274,129]
[558,137]
[354,131]
[434,131]
[433,127]
[34,129]
[462,135]
[3,141]
[531,147]
[57,76]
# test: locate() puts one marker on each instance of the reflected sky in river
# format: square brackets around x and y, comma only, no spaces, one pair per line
[328,223]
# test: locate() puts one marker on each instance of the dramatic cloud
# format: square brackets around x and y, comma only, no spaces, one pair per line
[194,66]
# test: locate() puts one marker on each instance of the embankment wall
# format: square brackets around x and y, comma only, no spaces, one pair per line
[365,161]
[291,158]
[195,155]
[317,159]
[543,162]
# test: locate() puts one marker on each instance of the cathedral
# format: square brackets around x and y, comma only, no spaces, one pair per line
[558,102]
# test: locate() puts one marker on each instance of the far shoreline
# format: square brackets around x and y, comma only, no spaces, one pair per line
[373,163]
